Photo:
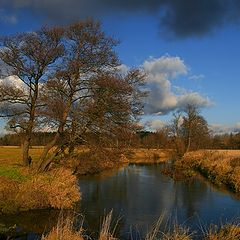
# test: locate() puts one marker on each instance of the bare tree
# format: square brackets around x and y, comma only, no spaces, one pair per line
[194,129]
[88,53]
[189,130]
[70,83]
[30,59]
[102,117]
[175,131]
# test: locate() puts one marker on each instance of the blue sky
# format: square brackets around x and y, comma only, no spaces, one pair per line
[206,52]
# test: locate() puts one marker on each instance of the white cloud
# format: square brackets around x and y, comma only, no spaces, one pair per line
[193,98]
[222,129]
[162,99]
[164,67]
[155,124]
[123,69]
[196,77]
[12,81]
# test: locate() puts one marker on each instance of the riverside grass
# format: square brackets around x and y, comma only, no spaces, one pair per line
[65,230]
[55,189]
[220,167]
[21,188]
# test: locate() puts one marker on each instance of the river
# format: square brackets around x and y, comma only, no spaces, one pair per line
[138,196]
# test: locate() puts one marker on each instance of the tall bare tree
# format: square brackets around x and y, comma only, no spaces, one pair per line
[30,58]
[69,80]
[88,53]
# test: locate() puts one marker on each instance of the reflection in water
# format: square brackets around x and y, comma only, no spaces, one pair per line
[138,195]
[141,194]
[31,224]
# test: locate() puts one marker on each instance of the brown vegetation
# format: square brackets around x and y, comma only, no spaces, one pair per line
[55,189]
[225,232]
[148,156]
[71,85]
[220,167]
[66,230]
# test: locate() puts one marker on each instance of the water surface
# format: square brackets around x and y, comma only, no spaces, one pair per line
[139,195]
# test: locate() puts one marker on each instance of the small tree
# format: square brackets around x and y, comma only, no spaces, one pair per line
[189,130]
[194,129]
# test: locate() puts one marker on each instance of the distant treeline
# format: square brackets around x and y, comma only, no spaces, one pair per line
[160,139]
[38,139]
[143,139]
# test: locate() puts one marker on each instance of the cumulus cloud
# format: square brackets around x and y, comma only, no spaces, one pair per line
[162,99]
[155,124]
[196,77]
[222,129]
[123,69]
[12,81]
[178,18]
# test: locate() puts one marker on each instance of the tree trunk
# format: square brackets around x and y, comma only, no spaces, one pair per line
[71,148]
[44,162]
[25,151]
[188,144]
[30,125]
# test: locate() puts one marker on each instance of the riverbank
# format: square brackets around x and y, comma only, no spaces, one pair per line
[88,162]
[221,167]
[148,156]
[21,188]
[55,189]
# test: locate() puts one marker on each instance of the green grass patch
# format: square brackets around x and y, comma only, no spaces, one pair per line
[13,173]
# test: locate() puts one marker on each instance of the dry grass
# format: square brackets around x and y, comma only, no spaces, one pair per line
[55,189]
[106,233]
[220,167]
[150,156]
[11,155]
[225,232]
[178,233]
[64,230]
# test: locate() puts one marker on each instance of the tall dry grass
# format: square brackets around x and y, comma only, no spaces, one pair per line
[66,230]
[220,167]
[56,189]
[224,232]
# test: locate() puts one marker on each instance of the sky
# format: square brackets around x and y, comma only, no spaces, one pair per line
[189,49]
